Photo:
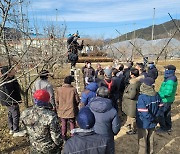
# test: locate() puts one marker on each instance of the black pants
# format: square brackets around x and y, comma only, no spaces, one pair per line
[13,117]
[165,122]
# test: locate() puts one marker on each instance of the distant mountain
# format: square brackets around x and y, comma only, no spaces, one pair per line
[164,30]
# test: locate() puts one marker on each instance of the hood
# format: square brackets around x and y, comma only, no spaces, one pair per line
[147,90]
[100,105]
[79,130]
[137,79]
[168,73]
[93,86]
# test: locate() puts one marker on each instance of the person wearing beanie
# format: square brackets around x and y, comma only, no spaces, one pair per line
[129,100]
[89,92]
[43,83]
[11,98]
[149,109]
[167,92]
[152,71]
[67,102]
[107,119]
[42,125]
[85,140]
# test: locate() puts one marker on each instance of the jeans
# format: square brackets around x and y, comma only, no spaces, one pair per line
[165,120]
[13,117]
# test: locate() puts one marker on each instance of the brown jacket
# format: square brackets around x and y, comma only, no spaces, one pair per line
[67,100]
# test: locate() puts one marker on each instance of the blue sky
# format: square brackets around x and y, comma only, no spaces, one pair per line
[101,18]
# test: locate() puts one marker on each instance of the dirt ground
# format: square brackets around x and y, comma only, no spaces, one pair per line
[124,144]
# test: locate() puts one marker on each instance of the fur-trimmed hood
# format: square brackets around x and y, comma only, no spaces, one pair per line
[137,79]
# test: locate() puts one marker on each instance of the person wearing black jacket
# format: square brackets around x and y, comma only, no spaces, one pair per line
[126,73]
[120,86]
[10,97]
[109,83]
[85,140]
[152,71]
[73,47]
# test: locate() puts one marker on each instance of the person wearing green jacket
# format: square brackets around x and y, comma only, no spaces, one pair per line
[167,93]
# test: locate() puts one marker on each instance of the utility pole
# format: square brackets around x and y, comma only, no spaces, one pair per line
[153,24]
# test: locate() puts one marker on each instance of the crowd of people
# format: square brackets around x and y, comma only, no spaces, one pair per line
[94,118]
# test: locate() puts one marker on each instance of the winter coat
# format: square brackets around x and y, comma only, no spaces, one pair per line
[89,72]
[119,81]
[44,84]
[168,89]
[67,100]
[130,97]
[89,93]
[97,72]
[126,76]
[114,86]
[107,120]
[86,142]
[73,46]
[149,107]
[43,129]
[10,93]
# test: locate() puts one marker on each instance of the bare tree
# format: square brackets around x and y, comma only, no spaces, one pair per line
[28,55]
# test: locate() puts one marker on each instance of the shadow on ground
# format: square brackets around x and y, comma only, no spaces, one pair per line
[163,143]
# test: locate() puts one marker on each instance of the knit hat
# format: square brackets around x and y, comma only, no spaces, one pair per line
[85,118]
[41,97]
[148,81]
[44,73]
[108,72]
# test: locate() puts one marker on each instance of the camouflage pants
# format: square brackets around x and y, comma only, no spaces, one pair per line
[52,151]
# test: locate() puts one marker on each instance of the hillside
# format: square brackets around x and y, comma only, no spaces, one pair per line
[161,31]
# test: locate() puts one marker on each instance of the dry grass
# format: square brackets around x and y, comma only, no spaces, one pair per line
[124,144]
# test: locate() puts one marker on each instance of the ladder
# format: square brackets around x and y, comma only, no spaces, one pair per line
[76,73]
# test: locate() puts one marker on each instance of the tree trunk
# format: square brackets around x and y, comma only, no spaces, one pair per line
[26,99]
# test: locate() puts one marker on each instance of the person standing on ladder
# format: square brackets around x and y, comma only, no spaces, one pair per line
[73,47]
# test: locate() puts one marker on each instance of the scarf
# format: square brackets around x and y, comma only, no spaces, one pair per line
[168,73]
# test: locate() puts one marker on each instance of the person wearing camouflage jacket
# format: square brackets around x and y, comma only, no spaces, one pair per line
[42,126]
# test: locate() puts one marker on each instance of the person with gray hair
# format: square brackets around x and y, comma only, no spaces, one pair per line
[107,121]
[43,83]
